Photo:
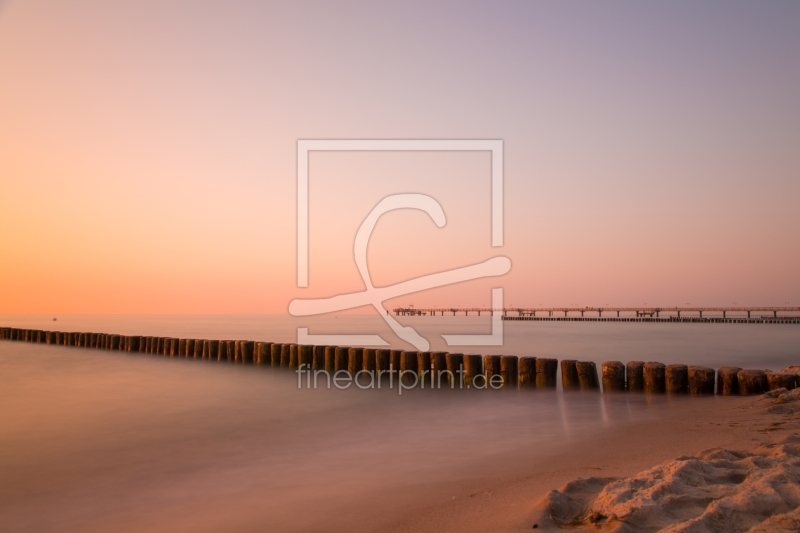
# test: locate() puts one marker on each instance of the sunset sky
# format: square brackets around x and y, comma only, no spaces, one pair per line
[148,151]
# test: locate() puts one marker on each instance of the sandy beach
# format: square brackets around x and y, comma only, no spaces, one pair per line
[703,432]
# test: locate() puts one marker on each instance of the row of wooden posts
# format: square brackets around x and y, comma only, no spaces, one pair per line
[454,370]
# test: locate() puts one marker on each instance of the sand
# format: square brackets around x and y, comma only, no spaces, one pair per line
[709,464]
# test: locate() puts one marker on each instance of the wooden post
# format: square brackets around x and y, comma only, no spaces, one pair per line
[546,371]
[341,358]
[491,367]
[263,356]
[173,348]
[439,369]
[569,375]
[781,380]
[275,352]
[587,375]
[424,369]
[473,369]
[211,348]
[293,355]
[752,382]
[382,360]
[701,380]
[330,360]
[728,381]
[187,350]
[509,369]
[355,360]
[305,356]
[133,343]
[613,376]
[655,378]
[634,372]
[455,365]
[408,368]
[194,348]
[286,355]
[246,352]
[677,379]
[318,363]
[527,372]
[114,341]
[395,360]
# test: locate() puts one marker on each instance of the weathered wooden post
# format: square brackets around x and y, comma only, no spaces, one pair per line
[330,359]
[341,358]
[587,375]
[318,362]
[196,347]
[613,376]
[286,355]
[509,369]
[114,341]
[491,367]
[305,356]
[424,369]
[701,380]
[438,369]
[569,375]
[182,348]
[677,379]
[246,351]
[293,356]
[264,350]
[781,380]
[655,381]
[546,372]
[455,365]
[133,343]
[473,369]
[752,382]
[173,348]
[395,360]
[408,368]
[211,348]
[355,360]
[383,359]
[527,372]
[728,381]
[634,373]
[275,352]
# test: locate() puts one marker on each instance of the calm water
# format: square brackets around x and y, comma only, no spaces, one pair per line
[107,441]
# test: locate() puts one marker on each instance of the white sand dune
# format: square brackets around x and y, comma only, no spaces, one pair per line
[717,490]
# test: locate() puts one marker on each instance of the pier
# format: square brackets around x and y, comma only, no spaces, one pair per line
[752,315]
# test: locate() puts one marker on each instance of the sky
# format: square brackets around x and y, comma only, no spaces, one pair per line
[148,151]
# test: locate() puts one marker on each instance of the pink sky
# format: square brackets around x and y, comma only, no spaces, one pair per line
[147,151]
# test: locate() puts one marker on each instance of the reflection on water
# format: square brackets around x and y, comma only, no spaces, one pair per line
[101,441]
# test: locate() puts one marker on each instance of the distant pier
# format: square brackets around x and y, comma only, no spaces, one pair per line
[740,315]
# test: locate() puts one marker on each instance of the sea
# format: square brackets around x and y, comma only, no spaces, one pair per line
[103,441]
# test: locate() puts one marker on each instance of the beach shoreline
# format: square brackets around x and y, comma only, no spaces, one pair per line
[686,428]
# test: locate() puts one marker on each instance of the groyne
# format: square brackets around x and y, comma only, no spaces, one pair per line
[435,369]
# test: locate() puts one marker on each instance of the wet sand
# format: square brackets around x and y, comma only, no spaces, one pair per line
[515,503]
